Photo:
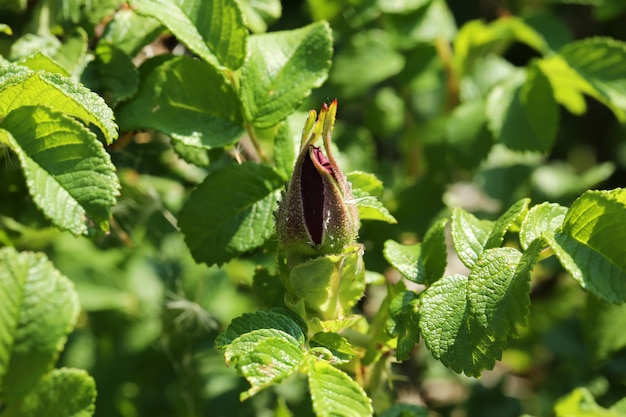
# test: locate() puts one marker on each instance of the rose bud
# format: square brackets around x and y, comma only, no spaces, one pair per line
[317,215]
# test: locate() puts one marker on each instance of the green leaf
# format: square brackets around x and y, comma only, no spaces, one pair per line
[69,174]
[580,403]
[231,212]
[264,357]
[603,325]
[504,222]
[366,182]
[116,72]
[468,138]
[280,70]
[403,257]
[542,218]
[371,208]
[403,322]
[338,346]
[260,13]
[334,393]
[433,258]
[425,24]
[596,61]
[39,309]
[62,392]
[72,54]
[277,319]
[20,86]
[213,30]
[130,32]
[522,111]
[469,235]
[451,332]
[187,99]
[371,50]
[588,243]
[41,62]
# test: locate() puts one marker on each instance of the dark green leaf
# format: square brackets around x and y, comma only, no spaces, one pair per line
[130,32]
[281,69]
[504,222]
[403,322]
[603,325]
[116,72]
[274,319]
[187,99]
[231,212]
[469,235]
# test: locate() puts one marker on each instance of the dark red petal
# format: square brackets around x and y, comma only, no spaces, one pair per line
[323,161]
[312,190]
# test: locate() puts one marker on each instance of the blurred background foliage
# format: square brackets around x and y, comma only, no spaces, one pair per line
[150,313]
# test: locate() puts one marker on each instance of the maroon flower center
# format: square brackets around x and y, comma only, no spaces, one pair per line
[312,190]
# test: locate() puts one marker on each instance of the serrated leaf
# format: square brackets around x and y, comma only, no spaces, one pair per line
[505,221]
[20,86]
[189,100]
[451,332]
[403,257]
[403,322]
[219,227]
[603,325]
[39,309]
[542,218]
[117,75]
[522,111]
[62,392]
[498,291]
[213,30]
[588,243]
[277,319]
[281,69]
[68,173]
[469,235]
[334,393]
[335,325]
[264,357]
[371,208]
[597,60]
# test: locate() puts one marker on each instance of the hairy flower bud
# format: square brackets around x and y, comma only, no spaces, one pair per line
[317,215]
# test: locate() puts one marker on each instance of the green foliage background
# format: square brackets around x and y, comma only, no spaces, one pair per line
[445,109]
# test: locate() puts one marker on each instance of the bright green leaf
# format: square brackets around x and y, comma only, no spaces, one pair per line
[334,393]
[62,392]
[260,13]
[341,350]
[371,208]
[366,182]
[231,212]
[282,320]
[469,235]
[424,24]
[588,244]
[542,218]
[189,100]
[264,357]
[452,333]
[39,309]
[281,69]
[597,61]
[20,86]
[30,44]
[213,30]
[42,62]
[68,172]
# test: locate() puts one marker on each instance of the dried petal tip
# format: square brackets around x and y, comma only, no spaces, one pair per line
[317,215]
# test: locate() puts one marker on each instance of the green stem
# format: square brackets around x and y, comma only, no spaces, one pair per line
[255,142]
